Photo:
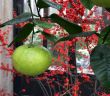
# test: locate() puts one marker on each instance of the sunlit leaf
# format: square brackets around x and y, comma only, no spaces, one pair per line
[44,24]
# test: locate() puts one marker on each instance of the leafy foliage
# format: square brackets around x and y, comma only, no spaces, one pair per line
[100,57]
[50,37]
[47,3]
[100,62]
[42,4]
[26,30]
[88,4]
[105,35]
[44,24]
[21,18]
[82,34]
[70,27]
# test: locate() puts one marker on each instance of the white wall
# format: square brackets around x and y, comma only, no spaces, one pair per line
[6,82]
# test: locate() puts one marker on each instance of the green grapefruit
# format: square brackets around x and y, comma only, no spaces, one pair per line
[31,60]
[102,3]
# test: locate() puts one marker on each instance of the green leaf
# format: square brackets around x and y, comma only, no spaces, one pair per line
[47,3]
[82,34]
[21,18]
[44,24]
[42,4]
[25,31]
[50,37]
[70,27]
[88,4]
[100,62]
[105,36]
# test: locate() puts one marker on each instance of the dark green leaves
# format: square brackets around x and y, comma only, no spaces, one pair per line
[88,4]
[25,31]
[100,62]
[47,3]
[42,4]
[50,37]
[105,36]
[82,34]
[70,27]
[21,18]
[44,24]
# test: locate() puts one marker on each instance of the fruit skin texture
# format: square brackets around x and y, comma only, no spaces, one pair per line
[102,3]
[31,60]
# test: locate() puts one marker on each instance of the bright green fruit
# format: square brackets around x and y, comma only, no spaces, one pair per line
[102,3]
[31,60]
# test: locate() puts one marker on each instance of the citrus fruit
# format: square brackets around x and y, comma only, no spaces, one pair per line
[31,60]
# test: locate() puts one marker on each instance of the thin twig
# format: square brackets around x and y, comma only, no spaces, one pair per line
[38,10]
[49,87]
[29,4]
[40,83]
[68,91]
